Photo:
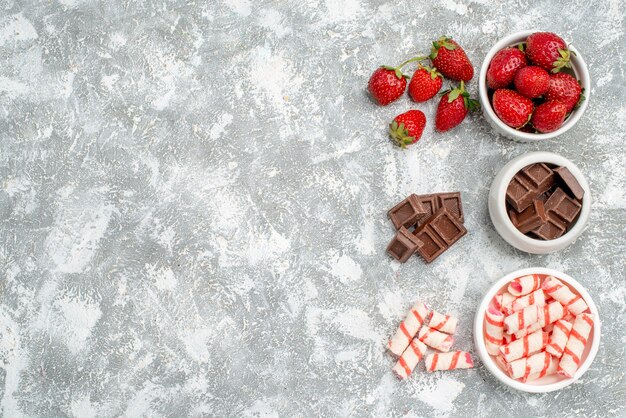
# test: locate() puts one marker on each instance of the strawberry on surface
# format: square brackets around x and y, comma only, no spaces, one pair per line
[548,51]
[566,89]
[407,128]
[503,67]
[549,116]
[387,83]
[532,81]
[425,83]
[512,108]
[451,60]
[453,108]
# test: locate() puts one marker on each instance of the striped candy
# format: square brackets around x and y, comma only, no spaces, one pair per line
[558,339]
[524,285]
[525,367]
[521,319]
[409,359]
[525,346]
[503,300]
[408,328]
[535,298]
[551,369]
[494,330]
[443,323]
[556,289]
[575,345]
[435,339]
[449,361]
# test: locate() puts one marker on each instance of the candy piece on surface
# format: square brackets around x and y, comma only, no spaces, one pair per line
[558,339]
[524,285]
[407,212]
[525,346]
[552,369]
[408,328]
[535,298]
[536,364]
[443,323]
[575,345]
[403,245]
[409,359]
[503,300]
[449,361]
[560,292]
[435,339]
[494,330]
[521,319]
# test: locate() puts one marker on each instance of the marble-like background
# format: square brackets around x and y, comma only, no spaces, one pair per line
[193,197]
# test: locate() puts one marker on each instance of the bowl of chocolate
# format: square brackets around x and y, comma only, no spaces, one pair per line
[540,202]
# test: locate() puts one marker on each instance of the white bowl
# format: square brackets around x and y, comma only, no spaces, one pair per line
[579,67]
[547,383]
[500,217]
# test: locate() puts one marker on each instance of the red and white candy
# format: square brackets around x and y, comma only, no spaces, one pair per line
[435,339]
[560,292]
[409,359]
[525,346]
[494,331]
[443,323]
[576,344]
[503,300]
[559,337]
[521,319]
[449,361]
[552,368]
[535,298]
[408,328]
[525,367]
[524,285]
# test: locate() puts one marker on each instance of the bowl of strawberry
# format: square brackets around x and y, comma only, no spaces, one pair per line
[532,86]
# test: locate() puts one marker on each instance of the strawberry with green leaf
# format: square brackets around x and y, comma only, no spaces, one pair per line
[453,107]
[387,83]
[451,60]
[548,51]
[407,128]
[425,83]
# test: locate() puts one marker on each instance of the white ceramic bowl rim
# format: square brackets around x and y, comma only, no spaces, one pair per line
[581,71]
[550,158]
[488,361]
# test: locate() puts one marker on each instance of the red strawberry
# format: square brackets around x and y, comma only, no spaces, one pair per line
[532,81]
[566,89]
[407,128]
[548,51]
[388,83]
[549,116]
[453,108]
[450,59]
[512,108]
[425,83]
[503,66]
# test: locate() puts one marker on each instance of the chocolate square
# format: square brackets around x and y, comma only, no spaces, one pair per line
[432,246]
[407,212]
[563,206]
[530,218]
[552,229]
[567,179]
[452,202]
[528,184]
[447,227]
[438,233]
[538,174]
[403,245]
[430,204]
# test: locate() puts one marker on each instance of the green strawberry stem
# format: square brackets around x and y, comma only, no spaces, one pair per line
[470,104]
[398,69]
[563,61]
[400,135]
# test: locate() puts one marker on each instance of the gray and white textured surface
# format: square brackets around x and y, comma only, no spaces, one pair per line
[193,201]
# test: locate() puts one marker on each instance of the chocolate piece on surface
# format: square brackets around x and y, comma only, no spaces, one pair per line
[407,212]
[403,245]
[433,202]
[530,218]
[567,179]
[539,174]
[438,233]
[563,206]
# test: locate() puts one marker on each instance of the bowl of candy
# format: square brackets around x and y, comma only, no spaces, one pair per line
[537,330]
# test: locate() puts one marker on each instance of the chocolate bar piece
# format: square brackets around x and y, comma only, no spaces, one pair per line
[403,245]
[407,212]
[553,228]
[528,184]
[563,206]
[568,180]
[438,233]
[531,218]
[433,202]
